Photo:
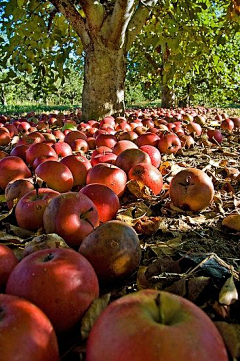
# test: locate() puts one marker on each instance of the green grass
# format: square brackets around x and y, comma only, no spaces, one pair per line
[21,109]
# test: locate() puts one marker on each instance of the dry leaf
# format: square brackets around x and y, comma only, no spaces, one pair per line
[231,336]
[195,286]
[178,287]
[139,189]
[147,225]
[228,293]
[142,282]
[94,311]
[232,221]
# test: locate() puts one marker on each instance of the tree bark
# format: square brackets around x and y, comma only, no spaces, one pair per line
[168,97]
[2,97]
[104,77]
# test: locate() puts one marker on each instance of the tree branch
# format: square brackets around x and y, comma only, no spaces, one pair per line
[67,8]
[94,12]
[138,20]
[122,13]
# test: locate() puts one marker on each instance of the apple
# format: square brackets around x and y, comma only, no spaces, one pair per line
[72,216]
[16,190]
[79,166]
[43,158]
[74,134]
[62,149]
[5,137]
[153,153]
[56,174]
[26,333]
[227,124]
[121,145]
[169,143]
[147,175]
[108,140]
[108,157]
[130,135]
[31,138]
[130,157]
[38,150]
[187,141]
[3,154]
[194,128]
[154,325]
[236,121]
[80,145]
[215,136]
[109,175]
[191,189]
[8,261]
[114,251]
[20,151]
[12,168]
[30,208]
[60,281]
[104,198]
[109,120]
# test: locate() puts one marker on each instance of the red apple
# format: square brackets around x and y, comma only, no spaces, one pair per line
[108,140]
[122,145]
[153,153]
[80,145]
[62,149]
[8,261]
[114,251]
[154,325]
[147,175]
[12,168]
[20,151]
[169,143]
[191,189]
[38,150]
[109,175]
[104,198]
[57,175]
[5,137]
[187,141]
[16,190]
[72,216]
[215,136]
[60,281]
[79,166]
[194,128]
[104,158]
[228,125]
[130,157]
[30,208]
[3,154]
[130,135]
[26,333]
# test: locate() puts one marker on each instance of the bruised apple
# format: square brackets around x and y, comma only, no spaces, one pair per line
[60,281]
[72,216]
[16,190]
[114,251]
[26,334]
[191,189]
[154,325]
[147,175]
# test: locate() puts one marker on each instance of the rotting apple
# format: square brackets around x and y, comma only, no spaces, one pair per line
[114,251]
[154,325]
[16,190]
[147,175]
[191,189]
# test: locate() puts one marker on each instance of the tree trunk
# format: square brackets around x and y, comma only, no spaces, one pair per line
[104,77]
[168,97]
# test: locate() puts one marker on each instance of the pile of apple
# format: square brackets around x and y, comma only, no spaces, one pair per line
[67,177]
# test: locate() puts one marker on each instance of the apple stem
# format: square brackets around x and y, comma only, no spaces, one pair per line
[48,257]
[160,313]
[87,220]
[35,183]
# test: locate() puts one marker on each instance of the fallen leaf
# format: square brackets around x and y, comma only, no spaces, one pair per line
[231,336]
[228,293]
[94,311]
[196,285]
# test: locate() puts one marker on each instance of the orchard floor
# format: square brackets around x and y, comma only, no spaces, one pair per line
[191,254]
